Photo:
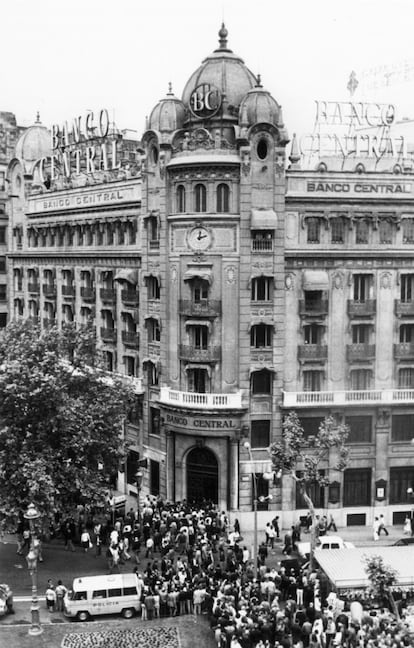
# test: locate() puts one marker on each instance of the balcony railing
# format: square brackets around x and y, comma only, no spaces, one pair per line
[49,290]
[192,353]
[313,308]
[130,338]
[87,293]
[203,308]
[33,288]
[262,245]
[107,294]
[198,401]
[68,291]
[404,308]
[351,397]
[130,297]
[404,350]
[154,245]
[133,381]
[108,334]
[360,351]
[312,352]
[362,308]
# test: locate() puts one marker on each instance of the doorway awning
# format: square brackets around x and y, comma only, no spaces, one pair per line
[191,366]
[315,280]
[199,273]
[198,322]
[263,219]
[127,274]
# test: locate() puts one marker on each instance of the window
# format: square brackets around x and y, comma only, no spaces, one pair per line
[261,336]
[262,149]
[407,288]
[154,421]
[2,264]
[260,434]
[199,335]
[312,334]
[337,230]
[2,292]
[2,235]
[360,379]
[314,229]
[315,491]
[360,333]
[262,240]
[109,360]
[114,592]
[262,486]
[180,199]
[152,374]
[261,289]
[313,300]
[357,487]
[130,591]
[223,196]
[200,196]
[310,425]
[361,231]
[199,290]
[197,380]
[406,378]
[401,479]
[129,365]
[361,287]
[3,320]
[132,466]
[261,382]
[312,380]
[406,333]
[134,414]
[79,596]
[99,594]
[153,229]
[402,428]
[154,477]
[153,288]
[154,331]
[385,231]
[360,429]
[408,230]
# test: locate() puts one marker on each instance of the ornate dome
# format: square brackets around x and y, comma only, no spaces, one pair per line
[168,114]
[225,72]
[34,143]
[258,106]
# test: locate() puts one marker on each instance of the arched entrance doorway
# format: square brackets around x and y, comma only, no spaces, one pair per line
[202,476]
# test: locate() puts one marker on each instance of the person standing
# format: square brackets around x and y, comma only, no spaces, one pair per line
[381,526]
[275,525]
[50,598]
[375,528]
[60,595]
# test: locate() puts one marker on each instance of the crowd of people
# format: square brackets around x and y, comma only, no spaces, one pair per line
[189,560]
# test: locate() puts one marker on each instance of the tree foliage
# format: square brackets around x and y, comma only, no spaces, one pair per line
[382,578]
[60,418]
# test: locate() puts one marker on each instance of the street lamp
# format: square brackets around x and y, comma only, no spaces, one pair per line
[139,477]
[31,515]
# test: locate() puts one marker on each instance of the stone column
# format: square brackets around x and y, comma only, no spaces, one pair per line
[234,474]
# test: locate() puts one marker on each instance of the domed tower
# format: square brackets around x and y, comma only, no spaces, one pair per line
[33,144]
[168,115]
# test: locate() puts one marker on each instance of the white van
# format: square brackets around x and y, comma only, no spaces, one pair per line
[109,594]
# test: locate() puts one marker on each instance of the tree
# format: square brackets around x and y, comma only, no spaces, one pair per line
[60,419]
[382,579]
[305,458]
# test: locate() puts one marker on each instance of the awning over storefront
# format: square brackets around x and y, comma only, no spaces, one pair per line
[315,280]
[127,274]
[263,219]
[199,273]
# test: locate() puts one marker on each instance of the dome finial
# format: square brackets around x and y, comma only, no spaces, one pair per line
[38,118]
[259,81]
[223,33]
[170,90]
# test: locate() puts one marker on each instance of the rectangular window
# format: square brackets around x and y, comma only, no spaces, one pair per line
[361,287]
[313,225]
[153,288]
[200,337]
[406,378]
[360,334]
[408,230]
[337,230]
[402,428]
[312,334]
[200,291]
[154,477]
[313,300]
[130,591]
[132,466]
[261,336]
[360,379]
[2,235]
[310,425]
[262,487]
[385,231]
[406,333]
[3,320]
[261,289]
[357,487]
[197,381]
[361,232]
[312,380]
[407,288]
[261,382]
[154,421]
[315,491]
[260,434]
[99,594]
[129,365]
[2,264]
[114,592]
[360,429]
[2,292]
[401,479]
[154,332]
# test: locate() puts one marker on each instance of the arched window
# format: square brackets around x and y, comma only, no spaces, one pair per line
[200,195]
[180,199]
[223,199]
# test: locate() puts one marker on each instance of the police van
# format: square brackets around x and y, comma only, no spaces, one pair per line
[109,594]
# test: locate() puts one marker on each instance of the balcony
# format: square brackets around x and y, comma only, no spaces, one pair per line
[68,291]
[130,338]
[351,397]
[87,293]
[313,308]
[49,290]
[107,295]
[154,245]
[404,351]
[130,297]
[33,288]
[360,352]
[262,246]
[312,352]
[404,309]
[194,400]
[362,308]
[194,354]
[132,381]
[204,308]
[108,334]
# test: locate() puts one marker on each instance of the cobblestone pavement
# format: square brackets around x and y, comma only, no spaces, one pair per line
[142,637]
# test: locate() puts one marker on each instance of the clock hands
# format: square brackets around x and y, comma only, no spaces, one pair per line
[201,236]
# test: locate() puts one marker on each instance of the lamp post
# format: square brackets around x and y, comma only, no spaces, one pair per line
[31,515]
[139,477]
[246,444]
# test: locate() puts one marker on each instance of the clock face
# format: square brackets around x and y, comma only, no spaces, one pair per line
[199,238]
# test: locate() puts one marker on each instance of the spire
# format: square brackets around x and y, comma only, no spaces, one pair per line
[294,156]
[38,118]
[170,90]
[223,33]
[259,81]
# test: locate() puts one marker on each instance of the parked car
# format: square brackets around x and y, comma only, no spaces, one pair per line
[403,542]
[323,542]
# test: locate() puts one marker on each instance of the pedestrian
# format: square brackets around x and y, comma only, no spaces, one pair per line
[86,542]
[375,528]
[97,530]
[332,524]
[60,595]
[68,532]
[275,525]
[271,533]
[50,598]
[287,548]
[237,526]
[381,526]
[407,526]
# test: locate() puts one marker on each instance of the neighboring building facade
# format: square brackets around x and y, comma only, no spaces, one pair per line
[229,290]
